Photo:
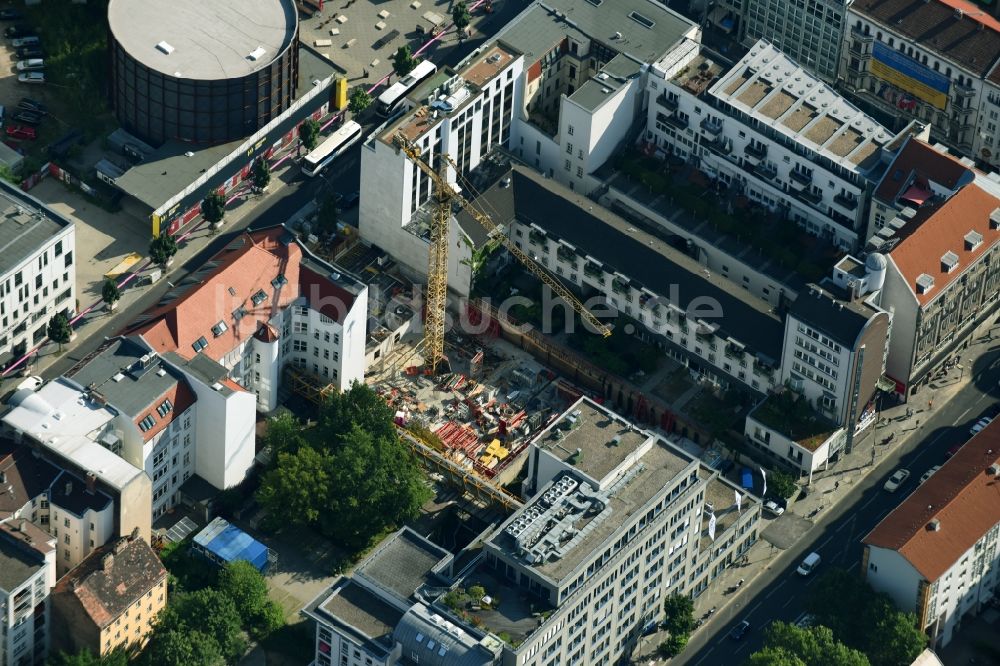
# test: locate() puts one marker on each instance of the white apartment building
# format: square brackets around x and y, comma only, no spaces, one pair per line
[648,521]
[773,131]
[27,575]
[262,304]
[937,553]
[946,77]
[37,271]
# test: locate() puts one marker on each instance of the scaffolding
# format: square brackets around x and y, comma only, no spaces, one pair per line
[312,387]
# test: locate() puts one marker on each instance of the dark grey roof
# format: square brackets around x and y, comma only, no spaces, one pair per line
[136,388]
[200,366]
[539,28]
[70,493]
[27,475]
[644,259]
[402,563]
[18,562]
[437,641]
[357,607]
[26,225]
[198,489]
[839,319]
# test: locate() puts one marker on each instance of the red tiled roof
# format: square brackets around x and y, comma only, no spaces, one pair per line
[941,228]
[180,395]
[247,266]
[267,333]
[924,164]
[962,496]
[971,39]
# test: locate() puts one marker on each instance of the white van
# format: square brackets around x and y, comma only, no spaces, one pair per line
[809,564]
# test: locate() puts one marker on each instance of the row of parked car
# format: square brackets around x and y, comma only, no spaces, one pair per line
[29,114]
[28,50]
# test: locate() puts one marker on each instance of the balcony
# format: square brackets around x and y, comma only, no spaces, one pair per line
[755,151]
[537,238]
[846,201]
[722,145]
[963,90]
[667,102]
[592,270]
[766,170]
[809,196]
[861,36]
[567,255]
[800,177]
[675,120]
[619,286]
[711,126]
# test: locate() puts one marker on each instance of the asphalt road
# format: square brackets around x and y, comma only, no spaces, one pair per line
[780,593]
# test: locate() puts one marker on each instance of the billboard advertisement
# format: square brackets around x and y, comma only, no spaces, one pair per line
[908,75]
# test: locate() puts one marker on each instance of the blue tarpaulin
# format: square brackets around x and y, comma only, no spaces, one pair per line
[746,476]
[222,543]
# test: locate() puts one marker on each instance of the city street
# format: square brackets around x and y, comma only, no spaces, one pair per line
[778,593]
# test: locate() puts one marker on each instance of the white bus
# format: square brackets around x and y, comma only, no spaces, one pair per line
[332,147]
[388,102]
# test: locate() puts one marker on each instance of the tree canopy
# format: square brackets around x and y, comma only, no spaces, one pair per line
[213,208]
[245,585]
[782,484]
[203,619]
[678,614]
[787,645]
[88,658]
[59,330]
[110,293]
[460,16]
[261,174]
[403,61]
[359,101]
[865,619]
[350,475]
[162,248]
[309,133]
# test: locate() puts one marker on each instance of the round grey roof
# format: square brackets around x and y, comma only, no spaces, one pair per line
[876,262]
[203,39]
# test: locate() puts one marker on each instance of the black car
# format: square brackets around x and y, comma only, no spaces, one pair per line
[33,51]
[350,200]
[29,117]
[28,104]
[16,31]
[740,630]
[10,15]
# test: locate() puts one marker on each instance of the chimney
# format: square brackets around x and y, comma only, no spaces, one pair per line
[22,525]
[135,533]
[934,525]
[91,483]
[120,545]
[107,562]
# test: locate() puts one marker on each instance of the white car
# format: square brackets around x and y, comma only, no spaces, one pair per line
[30,64]
[773,508]
[980,424]
[929,473]
[896,480]
[31,77]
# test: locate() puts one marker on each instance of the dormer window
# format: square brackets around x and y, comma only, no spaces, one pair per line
[973,239]
[219,329]
[949,262]
[258,298]
[924,283]
[199,344]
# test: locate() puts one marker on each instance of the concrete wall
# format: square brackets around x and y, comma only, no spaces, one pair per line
[224,434]
[891,573]
[897,298]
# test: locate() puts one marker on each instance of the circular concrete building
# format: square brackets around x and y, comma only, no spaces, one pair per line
[201,71]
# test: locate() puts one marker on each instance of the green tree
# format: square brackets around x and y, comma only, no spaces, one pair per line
[678,612]
[182,647]
[110,293]
[268,619]
[209,611]
[327,216]
[261,174]
[774,656]
[815,646]
[162,248]
[309,133]
[283,435]
[213,208]
[60,330]
[403,61]
[87,658]
[461,17]
[673,646]
[865,619]
[378,486]
[359,101]
[245,585]
[357,406]
[295,491]
[6,173]
[782,484]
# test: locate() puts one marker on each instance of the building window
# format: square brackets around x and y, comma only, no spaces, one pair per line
[569,128]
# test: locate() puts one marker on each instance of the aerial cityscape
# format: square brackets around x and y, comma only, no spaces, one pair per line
[500,333]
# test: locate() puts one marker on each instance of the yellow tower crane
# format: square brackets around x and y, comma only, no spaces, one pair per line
[437,274]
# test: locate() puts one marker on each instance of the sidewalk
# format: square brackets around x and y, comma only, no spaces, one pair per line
[829,488]
[239,214]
